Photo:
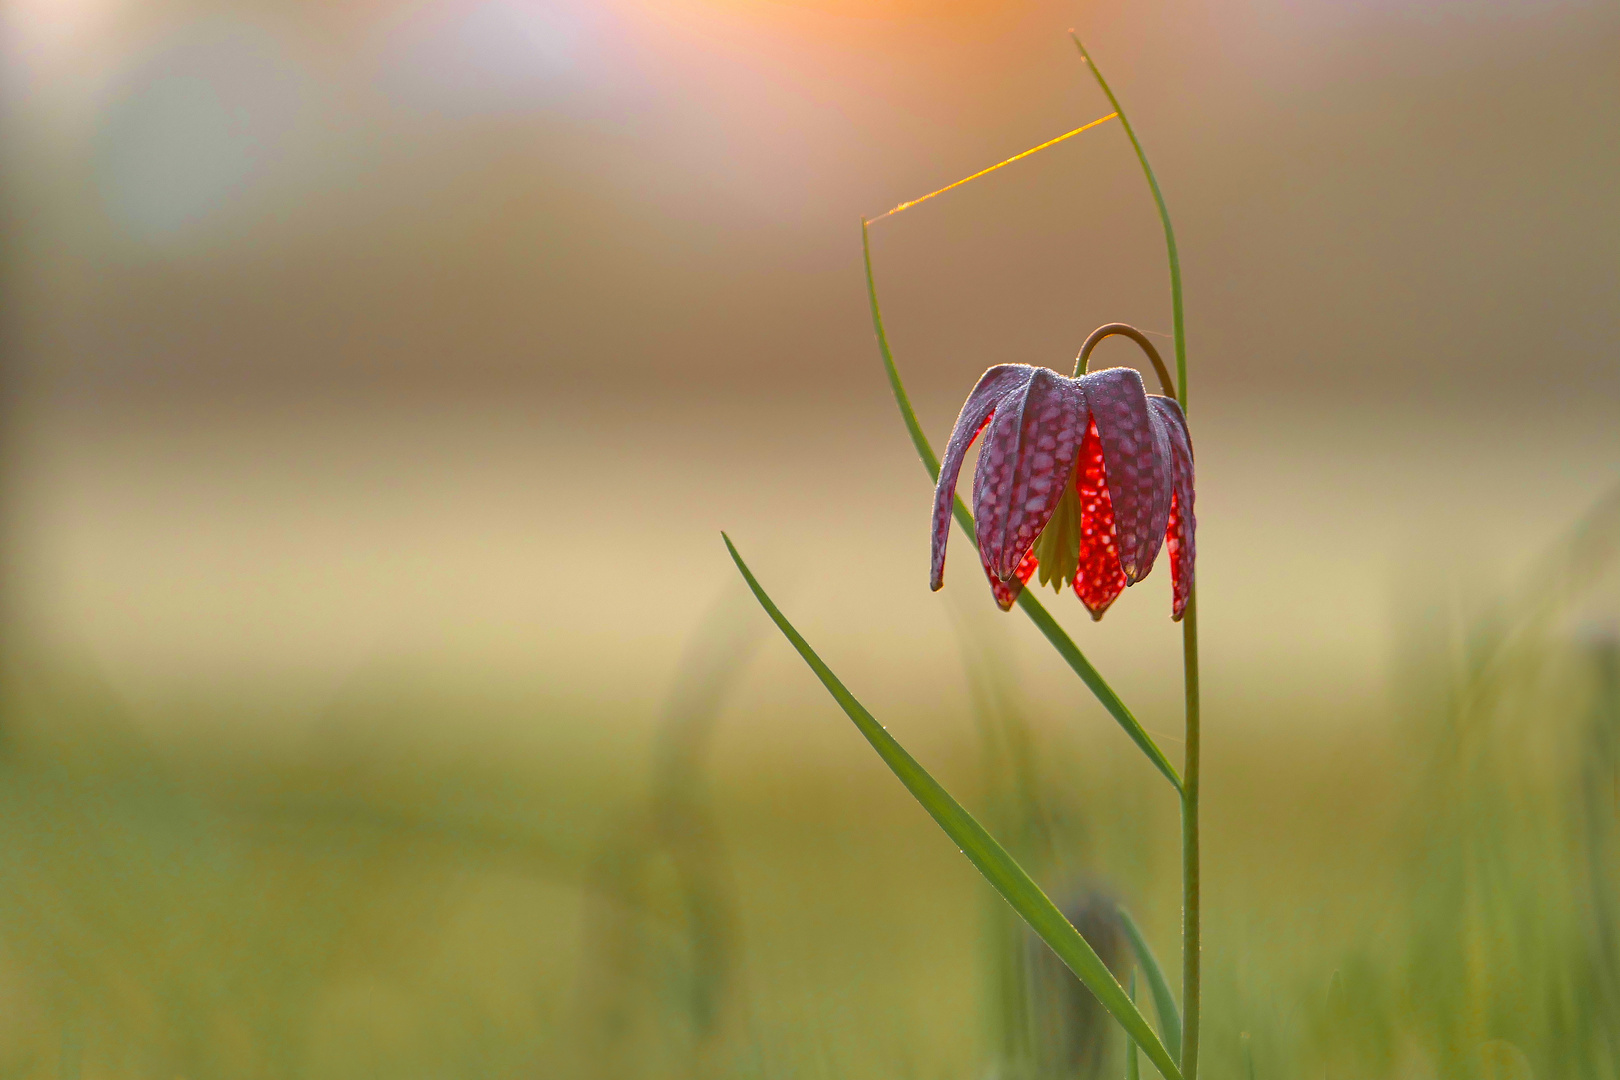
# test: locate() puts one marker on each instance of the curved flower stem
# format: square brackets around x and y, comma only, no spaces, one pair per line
[1031,606]
[1191,945]
[1124,330]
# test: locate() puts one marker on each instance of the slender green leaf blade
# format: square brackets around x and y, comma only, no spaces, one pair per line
[1164,1002]
[1133,1068]
[998,868]
[1164,219]
[1027,601]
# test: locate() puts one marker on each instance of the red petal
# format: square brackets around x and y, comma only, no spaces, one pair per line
[1136,444]
[993,386]
[1025,460]
[1100,580]
[1180,580]
[1182,525]
[1006,592]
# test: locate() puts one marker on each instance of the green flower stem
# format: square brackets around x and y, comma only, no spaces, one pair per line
[1027,600]
[1190,930]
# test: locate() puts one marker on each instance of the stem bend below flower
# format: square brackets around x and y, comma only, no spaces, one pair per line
[1126,330]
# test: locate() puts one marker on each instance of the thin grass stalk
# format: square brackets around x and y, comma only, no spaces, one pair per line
[1191,930]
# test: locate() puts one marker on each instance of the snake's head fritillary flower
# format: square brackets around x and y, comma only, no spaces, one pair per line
[1080,480]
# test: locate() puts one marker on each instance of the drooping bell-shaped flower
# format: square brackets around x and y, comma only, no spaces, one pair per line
[1080,480]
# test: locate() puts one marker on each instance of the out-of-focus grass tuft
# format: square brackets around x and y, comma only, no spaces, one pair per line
[1434,895]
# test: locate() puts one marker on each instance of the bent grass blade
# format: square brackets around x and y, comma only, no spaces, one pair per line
[999,869]
[1164,1002]
[1027,601]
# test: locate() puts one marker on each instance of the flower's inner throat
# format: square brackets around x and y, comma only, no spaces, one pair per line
[1057,549]
[1079,545]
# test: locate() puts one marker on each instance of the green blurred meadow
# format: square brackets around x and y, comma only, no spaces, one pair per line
[376,695]
[1433,897]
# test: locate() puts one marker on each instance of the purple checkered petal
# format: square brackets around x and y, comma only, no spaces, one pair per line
[994,386]
[1025,461]
[1181,533]
[1136,451]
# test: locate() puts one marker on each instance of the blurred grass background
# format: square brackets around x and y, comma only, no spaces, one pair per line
[1436,897]
[377,699]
